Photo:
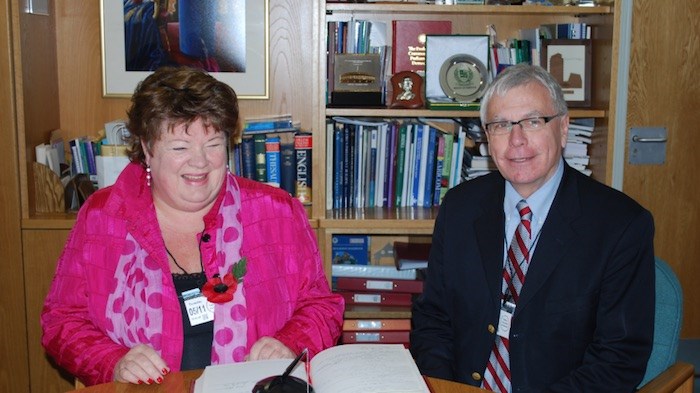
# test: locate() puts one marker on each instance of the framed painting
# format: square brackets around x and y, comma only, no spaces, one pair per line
[227,38]
[569,61]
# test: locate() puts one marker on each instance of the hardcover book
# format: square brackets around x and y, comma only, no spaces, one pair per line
[409,43]
[411,255]
[288,170]
[302,147]
[273,161]
[260,158]
[350,249]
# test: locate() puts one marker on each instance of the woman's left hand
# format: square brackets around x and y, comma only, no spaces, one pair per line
[269,348]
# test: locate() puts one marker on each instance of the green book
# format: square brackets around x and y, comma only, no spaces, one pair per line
[447,165]
[260,161]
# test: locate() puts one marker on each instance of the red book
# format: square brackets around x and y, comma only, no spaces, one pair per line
[411,255]
[368,284]
[408,53]
[376,324]
[398,337]
[375,298]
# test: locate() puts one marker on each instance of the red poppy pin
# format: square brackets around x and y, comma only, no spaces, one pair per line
[221,290]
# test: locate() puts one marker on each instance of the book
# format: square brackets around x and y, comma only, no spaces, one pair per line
[409,255]
[370,284]
[260,173]
[288,168]
[385,337]
[350,249]
[377,298]
[376,324]
[302,148]
[368,368]
[273,161]
[248,158]
[408,42]
[372,271]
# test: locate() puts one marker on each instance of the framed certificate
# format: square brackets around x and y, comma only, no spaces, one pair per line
[569,62]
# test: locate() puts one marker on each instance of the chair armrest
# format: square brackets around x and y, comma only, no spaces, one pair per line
[678,378]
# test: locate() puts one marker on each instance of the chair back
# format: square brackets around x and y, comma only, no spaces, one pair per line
[667,321]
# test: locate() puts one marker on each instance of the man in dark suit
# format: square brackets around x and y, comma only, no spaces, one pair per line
[572,308]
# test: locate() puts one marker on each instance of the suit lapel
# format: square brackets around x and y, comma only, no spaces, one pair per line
[556,237]
[490,229]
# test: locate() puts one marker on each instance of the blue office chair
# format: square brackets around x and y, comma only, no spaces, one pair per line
[663,372]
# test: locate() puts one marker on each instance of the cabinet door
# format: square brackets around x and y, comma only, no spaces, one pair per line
[663,92]
[41,251]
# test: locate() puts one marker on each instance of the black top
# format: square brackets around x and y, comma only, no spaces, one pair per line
[196,347]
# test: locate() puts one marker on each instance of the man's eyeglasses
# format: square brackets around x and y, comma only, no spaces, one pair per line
[530,124]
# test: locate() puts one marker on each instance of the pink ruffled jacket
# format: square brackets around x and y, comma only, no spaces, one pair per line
[286,290]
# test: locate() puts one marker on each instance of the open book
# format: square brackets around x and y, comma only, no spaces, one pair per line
[351,368]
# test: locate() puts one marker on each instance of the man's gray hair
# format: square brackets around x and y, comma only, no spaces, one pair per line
[520,75]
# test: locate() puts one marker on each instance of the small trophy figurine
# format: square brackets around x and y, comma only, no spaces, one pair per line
[408,90]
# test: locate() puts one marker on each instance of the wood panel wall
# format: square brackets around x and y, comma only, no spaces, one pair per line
[14,371]
[663,92]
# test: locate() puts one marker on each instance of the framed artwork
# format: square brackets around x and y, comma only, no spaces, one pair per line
[569,61]
[227,38]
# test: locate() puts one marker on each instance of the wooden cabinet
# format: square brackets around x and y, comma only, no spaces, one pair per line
[465,19]
[53,64]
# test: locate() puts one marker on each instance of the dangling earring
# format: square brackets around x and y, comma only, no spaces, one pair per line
[148,175]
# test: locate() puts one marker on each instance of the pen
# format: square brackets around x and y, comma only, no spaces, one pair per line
[294,364]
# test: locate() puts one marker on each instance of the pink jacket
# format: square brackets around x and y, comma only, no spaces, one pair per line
[286,290]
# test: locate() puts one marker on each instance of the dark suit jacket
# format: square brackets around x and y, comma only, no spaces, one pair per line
[584,320]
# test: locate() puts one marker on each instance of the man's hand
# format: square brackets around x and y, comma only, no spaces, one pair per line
[269,348]
[141,364]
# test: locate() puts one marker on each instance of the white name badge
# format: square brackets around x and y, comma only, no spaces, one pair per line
[504,319]
[199,309]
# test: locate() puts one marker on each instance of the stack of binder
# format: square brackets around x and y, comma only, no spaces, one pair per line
[381,295]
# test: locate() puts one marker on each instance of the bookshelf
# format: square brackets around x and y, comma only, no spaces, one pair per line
[55,78]
[465,19]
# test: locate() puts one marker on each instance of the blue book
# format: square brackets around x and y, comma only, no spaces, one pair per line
[273,161]
[248,158]
[350,249]
[288,169]
[417,159]
[338,165]
[430,158]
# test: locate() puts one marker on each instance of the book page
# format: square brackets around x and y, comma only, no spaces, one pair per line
[368,368]
[242,377]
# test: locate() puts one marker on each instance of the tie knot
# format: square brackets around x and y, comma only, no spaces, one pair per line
[524,210]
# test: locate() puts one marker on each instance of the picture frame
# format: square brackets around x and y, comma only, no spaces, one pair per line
[128,58]
[569,62]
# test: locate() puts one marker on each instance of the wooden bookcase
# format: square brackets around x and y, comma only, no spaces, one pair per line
[55,71]
[466,19]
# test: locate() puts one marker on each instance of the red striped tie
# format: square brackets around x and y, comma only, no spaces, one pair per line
[497,374]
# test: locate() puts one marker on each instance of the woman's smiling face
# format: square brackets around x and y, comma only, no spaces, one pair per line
[188,166]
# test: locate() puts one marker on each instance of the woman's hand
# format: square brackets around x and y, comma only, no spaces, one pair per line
[141,364]
[269,348]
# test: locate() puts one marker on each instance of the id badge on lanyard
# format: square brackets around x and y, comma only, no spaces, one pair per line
[199,309]
[505,318]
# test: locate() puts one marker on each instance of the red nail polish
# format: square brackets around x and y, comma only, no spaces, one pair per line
[159,380]
[140,382]
[150,381]
[165,371]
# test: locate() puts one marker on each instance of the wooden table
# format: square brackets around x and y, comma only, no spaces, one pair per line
[180,383]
